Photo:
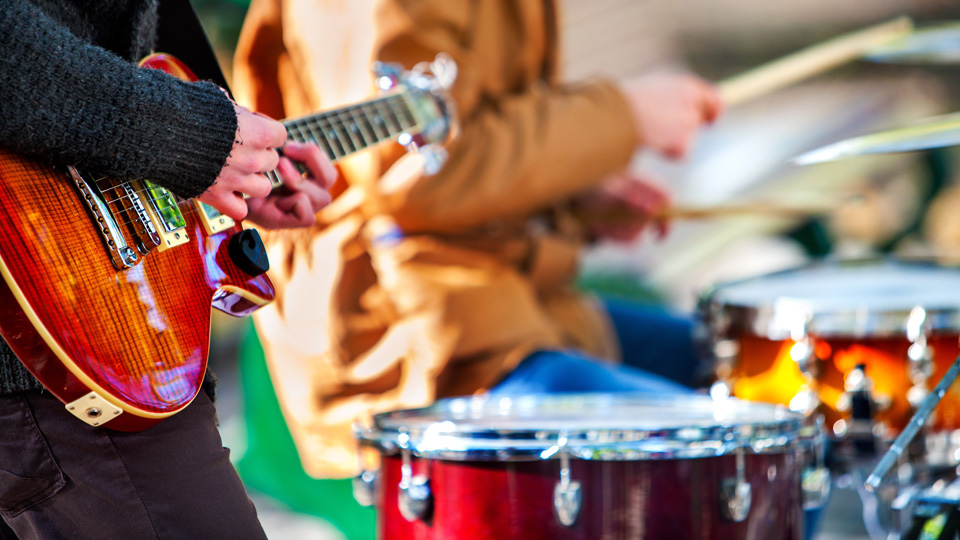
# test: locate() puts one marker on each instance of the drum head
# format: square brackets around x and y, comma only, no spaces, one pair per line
[588,426]
[849,299]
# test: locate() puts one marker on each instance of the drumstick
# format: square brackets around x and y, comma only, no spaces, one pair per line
[759,208]
[810,61]
[707,212]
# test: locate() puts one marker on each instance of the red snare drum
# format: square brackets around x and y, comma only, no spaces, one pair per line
[589,467]
[797,338]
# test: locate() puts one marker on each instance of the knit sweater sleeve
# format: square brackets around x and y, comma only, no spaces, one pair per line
[69,102]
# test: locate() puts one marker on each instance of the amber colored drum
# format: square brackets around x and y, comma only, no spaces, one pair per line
[807,330]
[586,467]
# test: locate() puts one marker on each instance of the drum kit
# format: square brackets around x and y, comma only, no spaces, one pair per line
[869,348]
[834,370]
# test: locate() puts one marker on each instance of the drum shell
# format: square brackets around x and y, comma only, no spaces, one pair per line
[621,499]
[765,372]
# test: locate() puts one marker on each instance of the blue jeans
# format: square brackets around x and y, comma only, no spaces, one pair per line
[658,357]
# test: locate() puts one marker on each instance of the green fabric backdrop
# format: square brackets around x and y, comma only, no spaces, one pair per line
[270,464]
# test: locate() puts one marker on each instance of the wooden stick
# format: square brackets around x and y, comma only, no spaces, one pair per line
[710,212]
[760,208]
[810,61]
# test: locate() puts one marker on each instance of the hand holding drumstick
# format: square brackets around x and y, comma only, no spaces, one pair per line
[627,203]
[668,111]
[635,202]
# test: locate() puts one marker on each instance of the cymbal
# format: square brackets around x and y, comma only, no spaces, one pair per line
[938,44]
[936,132]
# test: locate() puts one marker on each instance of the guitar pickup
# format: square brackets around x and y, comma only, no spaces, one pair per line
[211,218]
[163,210]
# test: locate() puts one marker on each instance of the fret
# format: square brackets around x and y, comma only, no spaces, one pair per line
[324,129]
[343,135]
[321,141]
[301,132]
[389,117]
[375,120]
[360,120]
[295,131]
[357,127]
[393,110]
[308,134]
[404,107]
[333,140]
[396,113]
[349,131]
[323,138]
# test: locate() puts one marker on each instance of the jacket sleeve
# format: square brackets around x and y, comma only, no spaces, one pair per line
[69,102]
[517,152]
[256,66]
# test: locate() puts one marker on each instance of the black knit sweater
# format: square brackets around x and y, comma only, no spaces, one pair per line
[70,93]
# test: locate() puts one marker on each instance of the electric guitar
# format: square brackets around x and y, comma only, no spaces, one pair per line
[107,284]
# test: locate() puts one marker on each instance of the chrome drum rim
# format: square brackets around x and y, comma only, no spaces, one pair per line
[587,426]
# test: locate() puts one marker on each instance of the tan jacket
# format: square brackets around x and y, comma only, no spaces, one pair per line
[483,273]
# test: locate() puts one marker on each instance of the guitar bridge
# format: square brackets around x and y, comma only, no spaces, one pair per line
[121,254]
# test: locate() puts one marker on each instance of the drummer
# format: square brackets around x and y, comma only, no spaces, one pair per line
[462,281]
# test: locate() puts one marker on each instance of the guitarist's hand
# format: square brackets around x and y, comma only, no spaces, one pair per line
[295,204]
[254,153]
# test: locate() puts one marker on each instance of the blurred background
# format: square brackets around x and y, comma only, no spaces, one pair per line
[904,204]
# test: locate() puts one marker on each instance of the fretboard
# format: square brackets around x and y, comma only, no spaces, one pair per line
[344,131]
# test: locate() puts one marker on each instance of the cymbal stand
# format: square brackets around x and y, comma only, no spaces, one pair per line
[913,427]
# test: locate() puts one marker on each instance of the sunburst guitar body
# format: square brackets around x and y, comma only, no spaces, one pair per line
[107,287]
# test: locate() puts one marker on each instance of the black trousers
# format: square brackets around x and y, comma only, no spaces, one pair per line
[62,479]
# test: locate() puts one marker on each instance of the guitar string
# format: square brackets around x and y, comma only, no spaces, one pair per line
[329,122]
[395,104]
[298,134]
[184,206]
[335,119]
[298,128]
[310,123]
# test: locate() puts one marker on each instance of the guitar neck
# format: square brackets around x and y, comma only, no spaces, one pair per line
[348,130]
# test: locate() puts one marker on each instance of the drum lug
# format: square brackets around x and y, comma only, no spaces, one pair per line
[859,401]
[726,353]
[803,354]
[720,390]
[815,480]
[567,497]
[365,487]
[736,495]
[805,401]
[815,484]
[735,499]
[724,349]
[414,498]
[919,356]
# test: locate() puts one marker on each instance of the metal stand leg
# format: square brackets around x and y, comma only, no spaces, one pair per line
[913,427]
